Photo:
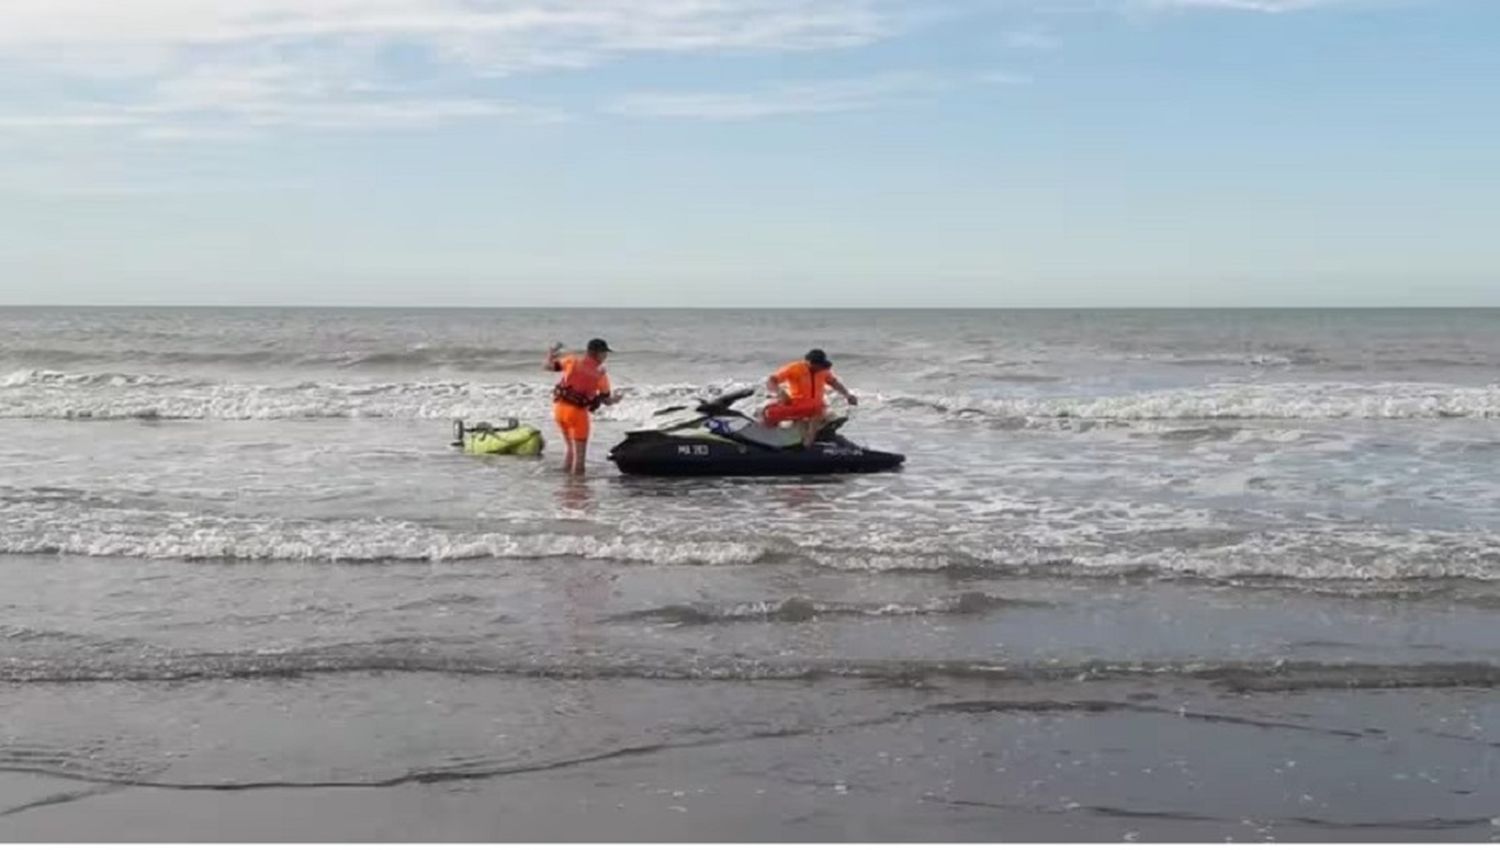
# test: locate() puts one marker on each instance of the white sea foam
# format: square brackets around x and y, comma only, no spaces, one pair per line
[34,394]
[1299,401]
[94,380]
[160,535]
[1107,546]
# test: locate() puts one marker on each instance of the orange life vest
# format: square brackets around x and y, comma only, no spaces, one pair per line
[583,382]
[802,382]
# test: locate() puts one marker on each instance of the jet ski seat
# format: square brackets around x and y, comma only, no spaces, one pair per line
[775,438]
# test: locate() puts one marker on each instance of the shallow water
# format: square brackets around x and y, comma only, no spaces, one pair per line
[210,518]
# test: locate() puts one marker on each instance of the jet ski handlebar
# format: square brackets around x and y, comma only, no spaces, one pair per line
[719,406]
[723,403]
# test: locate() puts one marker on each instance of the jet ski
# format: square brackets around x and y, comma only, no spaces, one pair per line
[509,438]
[712,438]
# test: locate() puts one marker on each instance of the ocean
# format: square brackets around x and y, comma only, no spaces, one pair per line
[1156,574]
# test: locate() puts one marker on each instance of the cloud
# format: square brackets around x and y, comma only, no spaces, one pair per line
[1003,78]
[1030,38]
[196,66]
[800,98]
[506,33]
[219,69]
[76,121]
[1244,5]
[518,32]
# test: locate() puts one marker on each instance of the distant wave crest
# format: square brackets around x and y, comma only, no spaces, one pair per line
[43,394]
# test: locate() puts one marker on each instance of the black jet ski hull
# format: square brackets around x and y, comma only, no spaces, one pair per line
[666,455]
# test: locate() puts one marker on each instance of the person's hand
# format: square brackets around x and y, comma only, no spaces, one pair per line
[612,398]
[853,400]
[556,347]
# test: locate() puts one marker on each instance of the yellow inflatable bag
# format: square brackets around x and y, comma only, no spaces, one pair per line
[510,438]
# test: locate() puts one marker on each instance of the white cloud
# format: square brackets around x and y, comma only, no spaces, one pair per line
[1030,38]
[193,66]
[1004,78]
[528,25]
[1244,5]
[75,120]
[800,98]
[199,69]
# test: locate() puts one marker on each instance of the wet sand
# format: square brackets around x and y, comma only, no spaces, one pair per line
[560,699]
[351,757]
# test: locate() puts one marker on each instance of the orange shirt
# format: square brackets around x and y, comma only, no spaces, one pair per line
[802,382]
[584,375]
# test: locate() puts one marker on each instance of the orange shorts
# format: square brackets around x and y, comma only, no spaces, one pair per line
[573,420]
[795,410]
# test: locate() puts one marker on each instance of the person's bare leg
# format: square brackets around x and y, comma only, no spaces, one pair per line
[568,457]
[809,431]
[580,456]
[817,426]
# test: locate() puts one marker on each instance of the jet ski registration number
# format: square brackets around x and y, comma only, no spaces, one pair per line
[692,450]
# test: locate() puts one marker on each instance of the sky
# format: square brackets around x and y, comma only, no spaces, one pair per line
[750,153]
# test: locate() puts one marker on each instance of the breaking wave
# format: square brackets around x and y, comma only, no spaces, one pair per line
[458,357]
[178,536]
[40,394]
[1230,402]
[419,656]
[96,380]
[800,610]
[37,394]
[1320,554]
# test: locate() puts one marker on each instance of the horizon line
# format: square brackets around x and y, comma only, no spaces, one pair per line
[744,308]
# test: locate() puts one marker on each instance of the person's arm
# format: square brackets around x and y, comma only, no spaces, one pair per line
[839,385]
[775,384]
[607,394]
[551,363]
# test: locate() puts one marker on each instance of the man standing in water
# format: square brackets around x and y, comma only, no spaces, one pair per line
[799,388]
[584,387]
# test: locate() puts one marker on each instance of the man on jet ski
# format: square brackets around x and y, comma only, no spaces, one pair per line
[799,388]
[584,387]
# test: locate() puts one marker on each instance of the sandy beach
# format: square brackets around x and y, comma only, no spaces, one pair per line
[670,726]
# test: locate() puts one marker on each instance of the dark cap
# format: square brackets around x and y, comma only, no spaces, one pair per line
[597,345]
[817,358]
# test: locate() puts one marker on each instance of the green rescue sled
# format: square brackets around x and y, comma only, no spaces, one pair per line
[509,438]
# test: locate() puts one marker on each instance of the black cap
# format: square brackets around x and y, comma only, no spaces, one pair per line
[817,358]
[597,345]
